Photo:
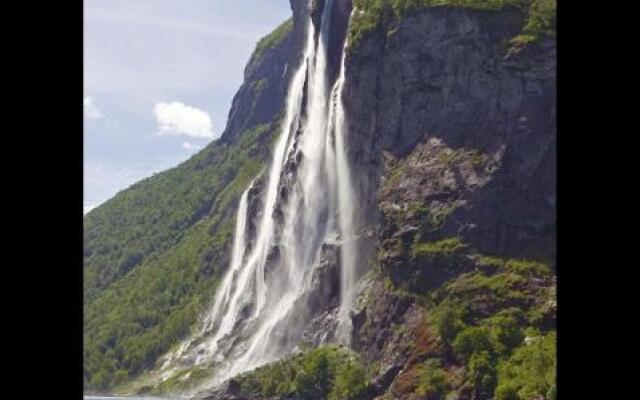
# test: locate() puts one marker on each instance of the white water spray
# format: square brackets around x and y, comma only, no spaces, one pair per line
[262,303]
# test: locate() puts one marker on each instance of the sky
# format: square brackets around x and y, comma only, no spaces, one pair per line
[159,78]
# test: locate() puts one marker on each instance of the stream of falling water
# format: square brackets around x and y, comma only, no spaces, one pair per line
[260,306]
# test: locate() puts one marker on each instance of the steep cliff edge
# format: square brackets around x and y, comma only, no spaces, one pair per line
[456,132]
[452,138]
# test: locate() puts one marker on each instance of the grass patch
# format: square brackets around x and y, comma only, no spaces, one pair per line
[442,247]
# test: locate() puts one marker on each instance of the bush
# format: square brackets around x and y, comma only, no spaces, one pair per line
[448,321]
[472,340]
[530,372]
[506,330]
[328,372]
[351,380]
[432,381]
[482,373]
[315,380]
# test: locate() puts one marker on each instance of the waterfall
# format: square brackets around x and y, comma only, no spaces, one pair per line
[346,201]
[262,303]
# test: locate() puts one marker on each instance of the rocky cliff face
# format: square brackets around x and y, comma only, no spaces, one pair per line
[455,133]
[484,118]
[452,139]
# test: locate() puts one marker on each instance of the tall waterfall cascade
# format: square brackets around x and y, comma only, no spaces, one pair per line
[307,206]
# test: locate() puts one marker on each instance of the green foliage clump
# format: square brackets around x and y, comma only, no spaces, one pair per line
[506,328]
[327,372]
[472,340]
[351,380]
[440,247]
[433,382]
[530,372]
[540,21]
[482,372]
[448,318]
[485,322]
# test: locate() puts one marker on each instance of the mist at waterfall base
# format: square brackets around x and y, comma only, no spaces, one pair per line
[306,210]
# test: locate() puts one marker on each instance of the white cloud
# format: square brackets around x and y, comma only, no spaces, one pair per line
[189,146]
[179,119]
[90,109]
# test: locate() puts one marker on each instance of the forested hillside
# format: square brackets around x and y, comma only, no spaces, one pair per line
[154,252]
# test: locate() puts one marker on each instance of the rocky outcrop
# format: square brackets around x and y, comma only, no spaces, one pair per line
[262,95]
[446,73]
[456,135]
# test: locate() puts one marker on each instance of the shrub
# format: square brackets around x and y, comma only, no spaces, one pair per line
[315,379]
[432,381]
[472,340]
[530,372]
[505,329]
[448,319]
[482,373]
[440,247]
[327,372]
[351,380]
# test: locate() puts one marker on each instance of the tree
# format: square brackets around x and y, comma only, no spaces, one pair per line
[530,372]
[433,382]
[351,380]
[482,373]
[314,381]
[471,340]
[448,322]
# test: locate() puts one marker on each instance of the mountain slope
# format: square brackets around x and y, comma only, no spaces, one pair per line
[154,252]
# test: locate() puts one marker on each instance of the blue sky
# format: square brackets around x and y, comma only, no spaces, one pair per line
[159,77]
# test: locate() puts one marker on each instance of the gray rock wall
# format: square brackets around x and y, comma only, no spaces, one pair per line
[447,73]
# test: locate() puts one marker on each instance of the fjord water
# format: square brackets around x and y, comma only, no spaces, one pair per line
[259,308]
[124,398]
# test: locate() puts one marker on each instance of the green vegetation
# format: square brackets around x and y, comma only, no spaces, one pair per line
[530,371]
[182,381]
[328,372]
[154,254]
[259,85]
[438,216]
[433,382]
[441,247]
[270,41]
[472,340]
[449,320]
[485,321]
[540,15]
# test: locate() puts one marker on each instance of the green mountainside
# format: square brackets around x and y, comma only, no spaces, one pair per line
[154,253]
